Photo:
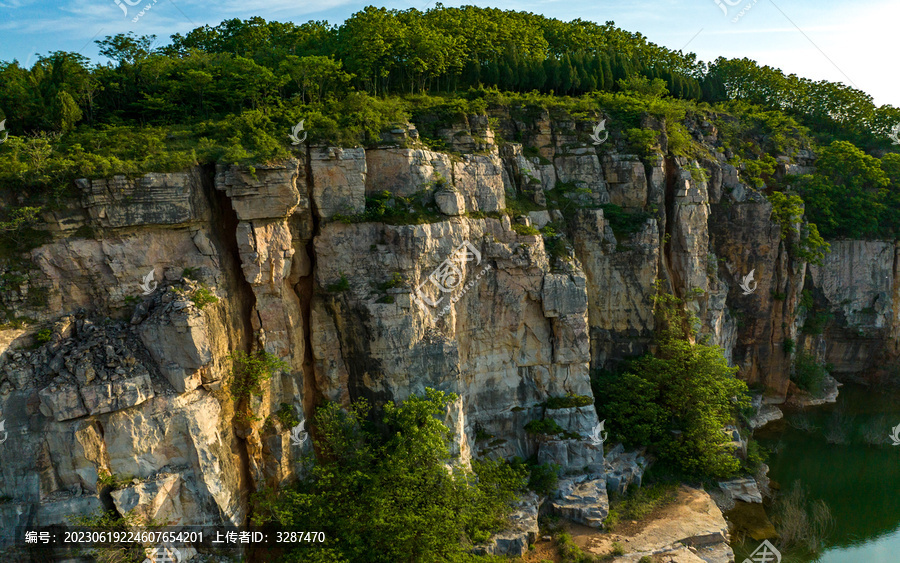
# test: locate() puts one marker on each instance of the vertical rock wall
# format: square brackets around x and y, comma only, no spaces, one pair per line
[138,386]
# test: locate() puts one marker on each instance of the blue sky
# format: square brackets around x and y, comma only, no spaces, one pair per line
[850,42]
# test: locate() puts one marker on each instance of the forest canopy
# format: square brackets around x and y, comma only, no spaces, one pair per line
[214,71]
[230,93]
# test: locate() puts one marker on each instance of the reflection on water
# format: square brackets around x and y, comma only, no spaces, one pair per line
[830,450]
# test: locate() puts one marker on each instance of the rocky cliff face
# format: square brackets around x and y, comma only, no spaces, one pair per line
[132,381]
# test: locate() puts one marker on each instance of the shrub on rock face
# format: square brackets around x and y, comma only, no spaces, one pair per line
[384,494]
[677,400]
[569,401]
[250,370]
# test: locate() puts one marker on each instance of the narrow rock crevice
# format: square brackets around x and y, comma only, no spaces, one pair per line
[223,225]
[304,289]
[666,259]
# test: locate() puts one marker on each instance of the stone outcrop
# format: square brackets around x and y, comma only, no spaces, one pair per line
[339,180]
[691,529]
[624,469]
[521,532]
[583,500]
[745,490]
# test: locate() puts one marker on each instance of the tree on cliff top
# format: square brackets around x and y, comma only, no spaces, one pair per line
[677,401]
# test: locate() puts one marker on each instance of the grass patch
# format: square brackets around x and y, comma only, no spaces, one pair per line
[569,401]
[107,480]
[639,503]
[202,296]
[549,427]
[342,284]
[809,374]
[525,230]
[801,522]
[544,426]
[624,223]
[521,206]
[286,416]
[530,151]
[396,280]
[250,370]
[385,207]
[569,552]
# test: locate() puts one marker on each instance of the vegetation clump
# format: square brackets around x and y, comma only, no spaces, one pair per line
[678,400]
[203,296]
[43,336]
[802,524]
[286,416]
[525,230]
[568,401]
[638,503]
[382,492]
[385,207]
[808,374]
[111,521]
[543,478]
[107,480]
[343,284]
[250,370]
[787,211]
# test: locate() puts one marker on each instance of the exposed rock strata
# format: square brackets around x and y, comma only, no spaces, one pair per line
[348,308]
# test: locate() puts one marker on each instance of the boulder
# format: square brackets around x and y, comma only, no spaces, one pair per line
[624,469]
[177,337]
[450,202]
[482,181]
[582,500]
[339,180]
[563,294]
[270,190]
[404,172]
[521,532]
[741,489]
[152,199]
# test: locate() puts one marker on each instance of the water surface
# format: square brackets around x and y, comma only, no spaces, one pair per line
[859,481]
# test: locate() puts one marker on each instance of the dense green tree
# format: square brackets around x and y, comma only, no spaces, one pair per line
[126,48]
[678,399]
[383,493]
[845,196]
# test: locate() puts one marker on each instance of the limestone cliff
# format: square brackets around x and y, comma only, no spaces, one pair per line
[115,377]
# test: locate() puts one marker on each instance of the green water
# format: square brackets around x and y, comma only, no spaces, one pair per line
[860,482]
